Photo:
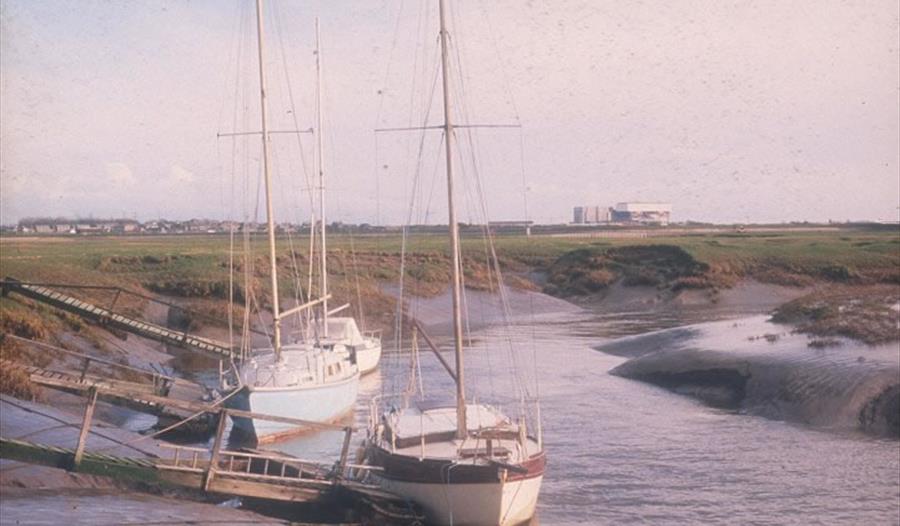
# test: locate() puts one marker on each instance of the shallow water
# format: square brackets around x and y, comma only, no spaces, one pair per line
[621,451]
[630,452]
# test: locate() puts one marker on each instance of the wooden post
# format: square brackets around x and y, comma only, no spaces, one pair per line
[345,451]
[217,446]
[161,386]
[434,349]
[115,299]
[84,368]
[85,427]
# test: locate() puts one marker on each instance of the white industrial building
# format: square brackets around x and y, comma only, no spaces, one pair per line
[629,213]
[582,215]
[642,213]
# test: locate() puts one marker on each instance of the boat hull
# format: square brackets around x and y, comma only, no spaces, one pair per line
[367,357]
[481,504]
[460,493]
[321,403]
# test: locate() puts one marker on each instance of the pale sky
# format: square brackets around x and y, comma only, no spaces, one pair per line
[733,111]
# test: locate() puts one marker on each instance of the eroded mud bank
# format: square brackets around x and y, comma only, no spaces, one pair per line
[759,367]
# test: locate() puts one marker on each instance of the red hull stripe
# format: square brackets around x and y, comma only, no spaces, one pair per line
[439,471]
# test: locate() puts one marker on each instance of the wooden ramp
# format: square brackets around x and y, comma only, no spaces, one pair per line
[151,398]
[235,473]
[113,320]
[219,470]
[238,473]
[172,400]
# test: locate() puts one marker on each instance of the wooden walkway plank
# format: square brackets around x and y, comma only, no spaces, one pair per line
[118,321]
[155,472]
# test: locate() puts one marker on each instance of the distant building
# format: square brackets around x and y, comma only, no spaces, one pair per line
[584,215]
[122,226]
[68,226]
[642,213]
[89,228]
[578,215]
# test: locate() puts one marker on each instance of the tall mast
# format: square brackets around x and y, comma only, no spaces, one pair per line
[323,288]
[268,178]
[461,429]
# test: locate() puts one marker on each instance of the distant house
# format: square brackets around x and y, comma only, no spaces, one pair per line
[89,228]
[197,225]
[122,226]
[62,225]
[46,226]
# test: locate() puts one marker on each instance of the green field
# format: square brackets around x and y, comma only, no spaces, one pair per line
[195,269]
[155,262]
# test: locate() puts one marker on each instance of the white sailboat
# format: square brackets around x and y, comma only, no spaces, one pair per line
[365,348]
[305,381]
[466,464]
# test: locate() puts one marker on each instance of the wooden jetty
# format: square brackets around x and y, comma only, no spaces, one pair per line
[156,399]
[233,473]
[217,470]
[170,399]
[152,399]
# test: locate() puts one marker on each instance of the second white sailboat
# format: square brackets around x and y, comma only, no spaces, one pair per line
[306,381]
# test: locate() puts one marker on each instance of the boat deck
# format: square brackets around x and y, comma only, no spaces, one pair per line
[431,432]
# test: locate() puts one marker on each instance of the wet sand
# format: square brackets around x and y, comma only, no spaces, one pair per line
[41,495]
[55,426]
[95,508]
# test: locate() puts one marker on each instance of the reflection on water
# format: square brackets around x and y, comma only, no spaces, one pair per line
[622,451]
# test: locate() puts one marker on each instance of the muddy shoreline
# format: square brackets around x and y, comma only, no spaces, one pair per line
[97,506]
[724,375]
[754,366]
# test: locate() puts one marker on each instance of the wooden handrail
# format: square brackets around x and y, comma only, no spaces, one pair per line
[279,458]
[9,282]
[166,445]
[91,358]
[287,420]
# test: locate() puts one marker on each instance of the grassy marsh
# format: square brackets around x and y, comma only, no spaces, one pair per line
[194,270]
